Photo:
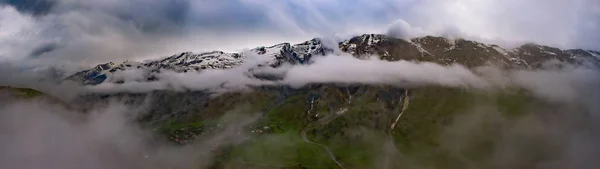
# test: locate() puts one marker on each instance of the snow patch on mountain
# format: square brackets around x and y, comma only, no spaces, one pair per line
[196,62]
[305,50]
[451,43]
[367,43]
[189,60]
[273,53]
[500,50]
[421,49]
[594,53]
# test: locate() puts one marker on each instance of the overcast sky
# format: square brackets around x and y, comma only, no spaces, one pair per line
[92,31]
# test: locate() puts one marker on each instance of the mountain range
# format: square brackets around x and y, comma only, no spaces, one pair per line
[429,48]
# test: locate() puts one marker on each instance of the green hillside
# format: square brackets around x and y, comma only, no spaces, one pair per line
[353,122]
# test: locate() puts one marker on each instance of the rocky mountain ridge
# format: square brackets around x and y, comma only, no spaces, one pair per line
[469,53]
[429,48]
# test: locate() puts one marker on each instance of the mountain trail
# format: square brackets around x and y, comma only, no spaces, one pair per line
[309,127]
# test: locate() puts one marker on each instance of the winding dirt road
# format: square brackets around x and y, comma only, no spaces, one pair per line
[305,138]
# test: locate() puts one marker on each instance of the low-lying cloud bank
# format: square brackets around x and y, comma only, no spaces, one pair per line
[348,69]
[553,83]
[38,134]
[556,83]
[343,69]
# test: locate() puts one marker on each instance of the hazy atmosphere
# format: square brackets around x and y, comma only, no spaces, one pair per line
[416,84]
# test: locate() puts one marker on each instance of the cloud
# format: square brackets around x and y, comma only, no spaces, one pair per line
[129,75]
[558,23]
[401,29]
[349,69]
[87,32]
[106,137]
[90,32]
[555,84]
[44,79]
[38,134]
[563,85]
[535,140]
[235,78]
[552,83]
[557,128]
[18,33]
[35,7]
[566,114]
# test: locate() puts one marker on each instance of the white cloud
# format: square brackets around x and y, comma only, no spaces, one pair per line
[39,134]
[401,29]
[221,79]
[91,32]
[349,69]
[559,85]
[129,75]
[18,35]
[551,22]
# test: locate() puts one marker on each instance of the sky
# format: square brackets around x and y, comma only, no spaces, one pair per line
[89,32]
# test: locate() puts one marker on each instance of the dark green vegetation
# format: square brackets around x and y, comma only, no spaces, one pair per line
[22,92]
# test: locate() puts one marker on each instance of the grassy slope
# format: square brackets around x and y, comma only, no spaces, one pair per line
[357,136]
[22,92]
